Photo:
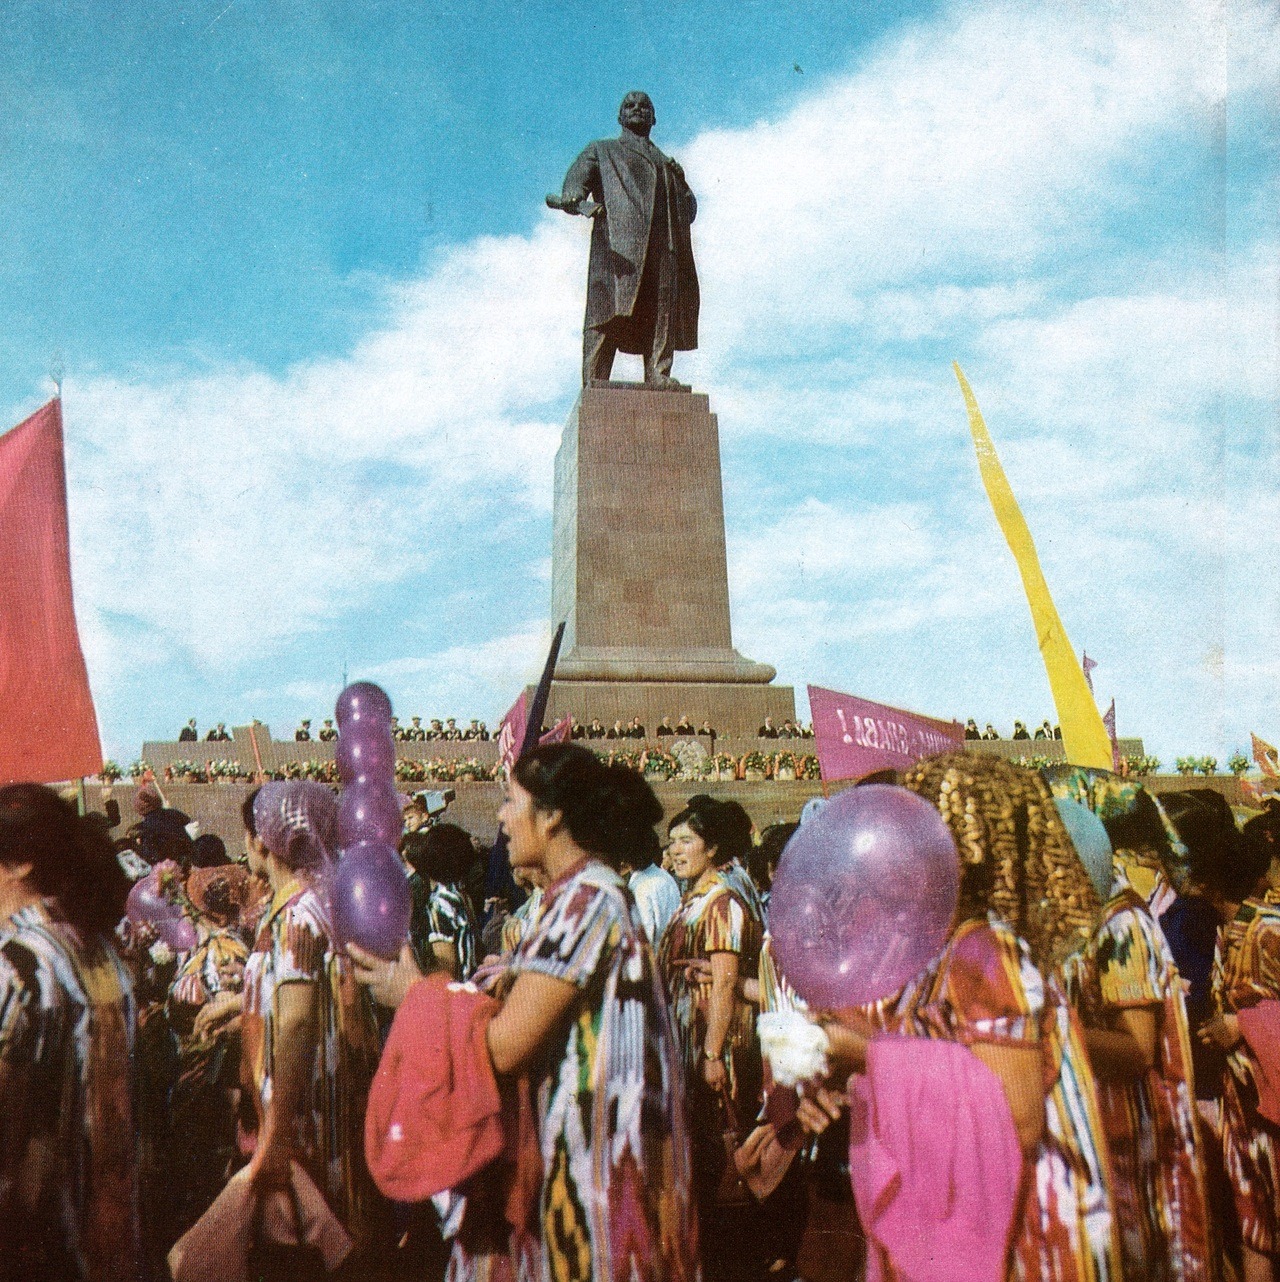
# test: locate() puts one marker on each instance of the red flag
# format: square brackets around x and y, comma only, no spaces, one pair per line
[511,731]
[48,727]
[1265,755]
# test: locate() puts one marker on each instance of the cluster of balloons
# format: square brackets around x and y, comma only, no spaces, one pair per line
[368,892]
[148,905]
[864,896]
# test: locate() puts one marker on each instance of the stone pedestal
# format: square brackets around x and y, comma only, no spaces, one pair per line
[638,568]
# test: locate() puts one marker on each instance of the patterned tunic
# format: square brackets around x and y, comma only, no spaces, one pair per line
[616,1198]
[450,920]
[1158,1182]
[985,989]
[294,946]
[1246,972]
[716,920]
[67,1021]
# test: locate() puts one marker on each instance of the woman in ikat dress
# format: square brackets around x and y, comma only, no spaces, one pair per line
[1026,904]
[586,1017]
[68,1160]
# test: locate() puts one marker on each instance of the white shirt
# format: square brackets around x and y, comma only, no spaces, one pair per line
[657,896]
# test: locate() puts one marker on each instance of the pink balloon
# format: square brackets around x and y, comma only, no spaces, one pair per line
[370,811]
[864,896]
[146,904]
[369,899]
[366,752]
[362,701]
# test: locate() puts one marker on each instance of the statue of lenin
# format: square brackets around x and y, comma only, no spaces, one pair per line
[642,287]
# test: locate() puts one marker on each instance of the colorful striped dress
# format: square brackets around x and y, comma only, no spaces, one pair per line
[985,989]
[1247,971]
[1158,1181]
[294,945]
[67,1023]
[616,1202]
[715,920]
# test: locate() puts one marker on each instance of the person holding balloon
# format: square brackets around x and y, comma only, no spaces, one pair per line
[1024,904]
[714,930]
[68,1148]
[1127,989]
[309,1034]
[585,1016]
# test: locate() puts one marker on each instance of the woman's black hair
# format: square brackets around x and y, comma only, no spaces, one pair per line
[1207,828]
[1139,828]
[723,826]
[443,853]
[1241,863]
[605,808]
[764,858]
[208,851]
[72,862]
[246,813]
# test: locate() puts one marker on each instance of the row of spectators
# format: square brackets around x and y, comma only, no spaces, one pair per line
[1020,731]
[415,732]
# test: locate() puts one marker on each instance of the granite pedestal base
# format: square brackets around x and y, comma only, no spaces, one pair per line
[638,568]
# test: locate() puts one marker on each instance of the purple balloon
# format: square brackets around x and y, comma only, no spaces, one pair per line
[146,904]
[362,701]
[864,896]
[370,811]
[366,751]
[178,932]
[369,899]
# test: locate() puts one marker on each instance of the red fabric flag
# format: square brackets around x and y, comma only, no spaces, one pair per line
[48,727]
[511,731]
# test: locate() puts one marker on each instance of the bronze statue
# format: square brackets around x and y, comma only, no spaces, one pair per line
[642,287]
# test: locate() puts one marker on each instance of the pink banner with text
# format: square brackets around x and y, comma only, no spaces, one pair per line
[855,737]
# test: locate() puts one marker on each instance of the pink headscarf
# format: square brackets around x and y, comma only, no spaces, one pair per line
[298,822]
[147,799]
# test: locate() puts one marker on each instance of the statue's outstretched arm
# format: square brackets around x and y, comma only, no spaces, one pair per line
[581,182]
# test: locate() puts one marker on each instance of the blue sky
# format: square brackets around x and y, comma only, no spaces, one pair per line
[320,335]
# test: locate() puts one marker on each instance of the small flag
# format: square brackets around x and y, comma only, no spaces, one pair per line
[1266,757]
[1109,720]
[1088,665]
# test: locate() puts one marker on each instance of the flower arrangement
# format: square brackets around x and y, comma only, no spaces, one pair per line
[1207,766]
[1238,763]
[110,772]
[809,767]
[187,772]
[1142,765]
[138,769]
[1186,765]
[783,765]
[472,770]
[754,763]
[653,761]
[1035,762]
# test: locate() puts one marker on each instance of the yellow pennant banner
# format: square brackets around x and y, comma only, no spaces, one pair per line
[1084,737]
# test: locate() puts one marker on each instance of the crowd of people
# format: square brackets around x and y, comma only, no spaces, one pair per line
[1084,1085]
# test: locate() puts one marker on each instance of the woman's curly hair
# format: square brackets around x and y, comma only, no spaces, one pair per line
[1015,856]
